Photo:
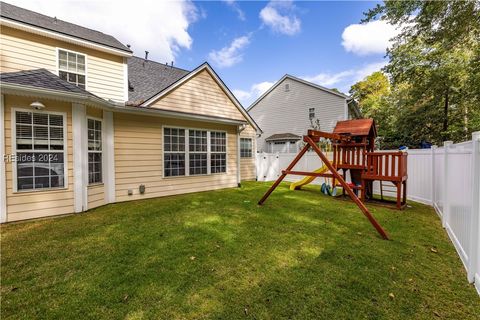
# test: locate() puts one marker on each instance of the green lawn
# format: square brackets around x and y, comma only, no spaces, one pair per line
[217,255]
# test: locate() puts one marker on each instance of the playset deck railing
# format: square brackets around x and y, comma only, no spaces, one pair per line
[349,156]
[386,166]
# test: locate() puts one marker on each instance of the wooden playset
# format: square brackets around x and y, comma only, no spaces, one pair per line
[353,148]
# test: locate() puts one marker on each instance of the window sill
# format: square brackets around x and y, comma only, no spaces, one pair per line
[195,175]
[41,190]
[98,184]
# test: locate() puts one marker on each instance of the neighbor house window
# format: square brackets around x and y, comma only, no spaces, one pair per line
[174,152]
[245,148]
[311,113]
[94,151]
[197,145]
[218,148]
[40,144]
[287,87]
[71,67]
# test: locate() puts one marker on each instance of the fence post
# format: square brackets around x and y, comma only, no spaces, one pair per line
[473,265]
[432,198]
[446,204]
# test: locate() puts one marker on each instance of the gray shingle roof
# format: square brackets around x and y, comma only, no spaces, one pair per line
[32,18]
[41,78]
[146,78]
[283,136]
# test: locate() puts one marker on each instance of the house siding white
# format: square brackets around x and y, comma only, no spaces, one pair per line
[282,111]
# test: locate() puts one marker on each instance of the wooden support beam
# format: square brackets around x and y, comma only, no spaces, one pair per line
[310,174]
[327,135]
[345,186]
[277,182]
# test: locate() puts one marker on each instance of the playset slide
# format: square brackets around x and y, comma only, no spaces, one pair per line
[297,185]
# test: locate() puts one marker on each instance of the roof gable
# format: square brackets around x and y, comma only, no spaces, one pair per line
[290,77]
[203,92]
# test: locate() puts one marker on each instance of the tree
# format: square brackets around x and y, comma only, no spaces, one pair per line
[374,100]
[434,68]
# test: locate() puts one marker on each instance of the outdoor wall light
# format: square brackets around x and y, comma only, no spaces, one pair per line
[37,105]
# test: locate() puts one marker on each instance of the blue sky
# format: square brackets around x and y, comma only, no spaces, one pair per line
[250,44]
[315,49]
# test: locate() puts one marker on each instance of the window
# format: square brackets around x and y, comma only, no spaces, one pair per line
[218,148]
[71,67]
[40,145]
[311,113]
[197,144]
[287,87]
[174,152]
[189,152]
[245,148]
[94,151]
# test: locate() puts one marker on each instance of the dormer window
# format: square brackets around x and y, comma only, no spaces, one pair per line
[71,67]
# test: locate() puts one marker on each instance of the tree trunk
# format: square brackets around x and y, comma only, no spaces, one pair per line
[445,116]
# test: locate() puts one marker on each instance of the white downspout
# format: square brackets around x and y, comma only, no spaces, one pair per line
[240,128]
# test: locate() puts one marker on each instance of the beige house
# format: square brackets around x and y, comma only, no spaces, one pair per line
[83,123]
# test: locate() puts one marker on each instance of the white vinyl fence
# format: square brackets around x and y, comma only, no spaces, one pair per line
[447,178]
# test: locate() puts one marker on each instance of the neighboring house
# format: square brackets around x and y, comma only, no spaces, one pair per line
[83,123]
[289,108]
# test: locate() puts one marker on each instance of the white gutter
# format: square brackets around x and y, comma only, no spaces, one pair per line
[239,130]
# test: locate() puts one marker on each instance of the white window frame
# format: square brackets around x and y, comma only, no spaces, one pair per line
[210,152]
[187,151]
[310,113]
[94,151]
[251,149]
[187,156]
[14,150]
[75,52]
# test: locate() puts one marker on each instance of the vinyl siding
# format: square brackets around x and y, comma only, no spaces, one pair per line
[96,196]
[20,50]
[287,112]
[139,159]
[247,165]
[27,205]
[200,95]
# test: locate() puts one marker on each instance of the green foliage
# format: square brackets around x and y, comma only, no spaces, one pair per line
[434,70]
[218,255]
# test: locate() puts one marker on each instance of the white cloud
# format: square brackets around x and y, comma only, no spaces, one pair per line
[343,80]
[161,27]
[230,55]
[278,15]
[255,91]
[368,38]
[234,5]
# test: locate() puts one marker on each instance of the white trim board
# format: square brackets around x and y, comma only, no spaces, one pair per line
[3,178]
[109,161]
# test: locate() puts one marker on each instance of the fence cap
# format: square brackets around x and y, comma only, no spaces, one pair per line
[447,143]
